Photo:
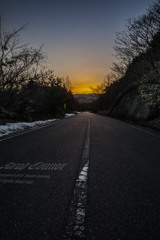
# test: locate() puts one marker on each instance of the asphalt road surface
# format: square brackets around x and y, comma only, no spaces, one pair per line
[85,177]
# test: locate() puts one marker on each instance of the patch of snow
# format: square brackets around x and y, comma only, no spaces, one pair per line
[69,115]
[13,127]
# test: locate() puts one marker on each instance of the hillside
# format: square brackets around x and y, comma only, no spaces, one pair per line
[85,98]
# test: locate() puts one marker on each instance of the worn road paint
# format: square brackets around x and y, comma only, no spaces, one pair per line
[75,228]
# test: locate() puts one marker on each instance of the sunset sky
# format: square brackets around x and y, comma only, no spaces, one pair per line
[78,36]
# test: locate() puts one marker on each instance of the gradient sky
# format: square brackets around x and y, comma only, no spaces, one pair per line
[78,36]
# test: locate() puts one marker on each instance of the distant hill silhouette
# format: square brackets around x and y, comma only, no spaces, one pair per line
[85,98]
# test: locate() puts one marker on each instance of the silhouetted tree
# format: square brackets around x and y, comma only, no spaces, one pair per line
[137,51]
[16,61]
[136,39]
[26,86]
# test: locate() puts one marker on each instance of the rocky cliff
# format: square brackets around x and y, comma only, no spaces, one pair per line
[140,103]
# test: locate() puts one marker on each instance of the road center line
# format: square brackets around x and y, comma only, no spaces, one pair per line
[75,227]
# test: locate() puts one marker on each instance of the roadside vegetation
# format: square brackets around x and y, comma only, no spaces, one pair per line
[28,89]
[137,64]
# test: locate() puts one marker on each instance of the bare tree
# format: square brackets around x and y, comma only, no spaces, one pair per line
[16,60]
[100,89]
[137,39]
[67,84]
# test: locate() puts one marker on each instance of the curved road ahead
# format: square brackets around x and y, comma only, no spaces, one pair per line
[85,177]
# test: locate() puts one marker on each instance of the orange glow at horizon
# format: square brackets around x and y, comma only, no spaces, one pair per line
[82,89]
[83,84]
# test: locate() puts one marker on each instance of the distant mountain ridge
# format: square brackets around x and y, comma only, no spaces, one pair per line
[85,98]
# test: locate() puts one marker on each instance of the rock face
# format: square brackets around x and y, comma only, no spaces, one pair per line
[140,103]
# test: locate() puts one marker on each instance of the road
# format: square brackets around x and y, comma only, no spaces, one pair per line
[85,177]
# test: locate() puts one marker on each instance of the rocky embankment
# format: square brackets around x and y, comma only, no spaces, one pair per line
[140,104]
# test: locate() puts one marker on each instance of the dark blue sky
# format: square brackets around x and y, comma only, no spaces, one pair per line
[78,36]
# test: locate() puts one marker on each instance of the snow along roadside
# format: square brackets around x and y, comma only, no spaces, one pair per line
[14,127]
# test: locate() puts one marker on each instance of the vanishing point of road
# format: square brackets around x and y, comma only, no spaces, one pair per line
[84,177]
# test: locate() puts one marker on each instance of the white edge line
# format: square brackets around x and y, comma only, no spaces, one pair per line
[145,131]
